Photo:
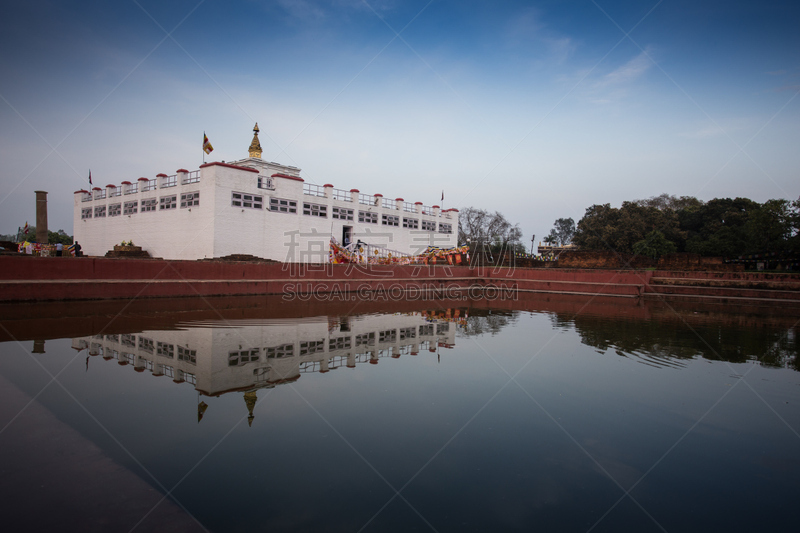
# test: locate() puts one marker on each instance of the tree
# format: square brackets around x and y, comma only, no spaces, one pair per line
[480,226]
[654,245]
[562,232]
[604,227]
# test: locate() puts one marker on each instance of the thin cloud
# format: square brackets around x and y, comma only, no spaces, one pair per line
[628,72]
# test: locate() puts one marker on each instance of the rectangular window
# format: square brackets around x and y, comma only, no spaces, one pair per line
[114,210]
[148,205]
[242,357]
[367,218]
[408,333]
[342,213]
[146,344]
[280,352]
[129,340]
[410,223]
[99,211]
[390,220]
[365,339]
[311,347]
[315,210]
[190,199]
[250,201]
[86,213]
[187,355]
[340,343]
[130,208]
[390,335]
[442,328]
[266,182]
[282,206]
[445,228]
[169,202]
[165,350]
[428,225]
[426,330]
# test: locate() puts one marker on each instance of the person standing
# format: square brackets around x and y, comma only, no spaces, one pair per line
[77,249]
[59,249]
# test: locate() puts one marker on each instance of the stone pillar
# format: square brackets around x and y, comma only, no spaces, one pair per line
[41,217]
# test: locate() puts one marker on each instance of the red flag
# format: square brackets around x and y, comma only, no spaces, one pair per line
[90,176]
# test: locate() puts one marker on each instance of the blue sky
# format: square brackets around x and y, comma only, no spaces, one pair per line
[534,109]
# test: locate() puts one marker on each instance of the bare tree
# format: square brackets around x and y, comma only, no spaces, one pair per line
[478,225]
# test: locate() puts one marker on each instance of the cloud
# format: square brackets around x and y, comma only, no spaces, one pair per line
[628,72]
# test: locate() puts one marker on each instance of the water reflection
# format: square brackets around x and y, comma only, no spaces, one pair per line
[242,356]
[398,416]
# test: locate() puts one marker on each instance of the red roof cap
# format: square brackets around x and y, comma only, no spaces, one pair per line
[286,176]
[417,203]
[327,185]
[182,170]
[126,182]
[162,175]
[82,190]
[435,207]
[96,189]
[354,190]
[143,179]
[227,165]
[379,195]
[399,200]
[110,185]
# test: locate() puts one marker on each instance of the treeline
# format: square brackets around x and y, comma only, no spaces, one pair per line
[53,237]
[665,224]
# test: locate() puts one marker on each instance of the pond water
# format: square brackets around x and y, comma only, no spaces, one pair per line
[552,413]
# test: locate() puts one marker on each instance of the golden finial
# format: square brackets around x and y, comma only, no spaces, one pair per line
[250,400]
[255,146]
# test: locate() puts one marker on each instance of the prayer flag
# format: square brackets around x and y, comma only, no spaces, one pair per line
[25,229]
[207,148]
[90,176]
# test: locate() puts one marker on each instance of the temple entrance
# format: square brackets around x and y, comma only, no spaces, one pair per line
[347,235]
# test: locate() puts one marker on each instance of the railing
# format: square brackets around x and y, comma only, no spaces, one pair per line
[313,190]
[366,199]
[86,197]
[426,210]
[408,207]
[192,177]
[149,185]
[342,195]
[114,192]
[133,188]
[169,181]
[389,204]
[99,195]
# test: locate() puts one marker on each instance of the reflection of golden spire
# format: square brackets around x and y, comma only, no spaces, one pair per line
[250,401]
[201,409]
[255,146]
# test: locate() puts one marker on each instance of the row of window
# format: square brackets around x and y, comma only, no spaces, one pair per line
[250,355]
[189,199]
[281,205]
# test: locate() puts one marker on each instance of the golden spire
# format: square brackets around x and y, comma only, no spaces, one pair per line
[250,401]
[255,146]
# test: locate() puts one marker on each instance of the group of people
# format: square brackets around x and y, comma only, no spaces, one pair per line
[30,247]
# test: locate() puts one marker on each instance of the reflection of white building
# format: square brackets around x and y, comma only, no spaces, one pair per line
[251,207]
[246,357]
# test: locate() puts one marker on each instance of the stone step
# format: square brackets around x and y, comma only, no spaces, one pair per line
[730,283]
[724,292]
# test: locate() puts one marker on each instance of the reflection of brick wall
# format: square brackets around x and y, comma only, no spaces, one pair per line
[695,262]
[602,259]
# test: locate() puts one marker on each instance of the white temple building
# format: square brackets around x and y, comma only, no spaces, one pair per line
[251,207]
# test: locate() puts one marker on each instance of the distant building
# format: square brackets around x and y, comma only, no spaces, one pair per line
[552,252]
[251,207]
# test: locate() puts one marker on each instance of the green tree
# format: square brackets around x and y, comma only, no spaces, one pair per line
[604,227]
[654,245]
[562,233]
